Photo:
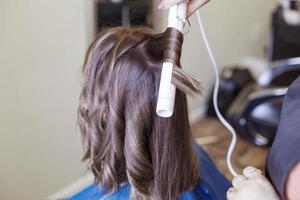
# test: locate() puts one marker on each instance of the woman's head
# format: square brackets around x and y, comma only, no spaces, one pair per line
[124,139]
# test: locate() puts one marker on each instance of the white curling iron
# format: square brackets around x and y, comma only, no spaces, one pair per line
[166,94]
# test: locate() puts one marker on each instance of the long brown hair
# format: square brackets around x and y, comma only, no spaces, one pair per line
[124,140]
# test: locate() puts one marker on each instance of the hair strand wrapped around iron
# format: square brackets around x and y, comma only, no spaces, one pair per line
[167,90]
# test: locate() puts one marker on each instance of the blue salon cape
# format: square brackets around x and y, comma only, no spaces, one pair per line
[211,186]
[285,151]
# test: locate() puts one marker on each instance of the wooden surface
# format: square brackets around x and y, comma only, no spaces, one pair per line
[215,139]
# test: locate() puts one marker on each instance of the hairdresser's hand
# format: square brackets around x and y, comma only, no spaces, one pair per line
[192,5]
[251,185]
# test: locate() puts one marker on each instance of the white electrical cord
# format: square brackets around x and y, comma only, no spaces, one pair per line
[215,98]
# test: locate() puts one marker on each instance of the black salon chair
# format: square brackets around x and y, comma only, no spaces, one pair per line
[281,73]
[255,113]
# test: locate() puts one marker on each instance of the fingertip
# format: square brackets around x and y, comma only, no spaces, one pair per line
[230,193]
[251,171]
[161,5]
[238,181]
[165,4]
[193,6]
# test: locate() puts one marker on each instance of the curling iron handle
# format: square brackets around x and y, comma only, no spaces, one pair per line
[177,15]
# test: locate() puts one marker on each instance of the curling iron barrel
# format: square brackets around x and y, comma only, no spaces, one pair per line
[166,94]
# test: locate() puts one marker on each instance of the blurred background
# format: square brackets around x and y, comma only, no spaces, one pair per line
[42,47]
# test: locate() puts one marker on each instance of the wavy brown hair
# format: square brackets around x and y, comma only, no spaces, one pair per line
[124,140]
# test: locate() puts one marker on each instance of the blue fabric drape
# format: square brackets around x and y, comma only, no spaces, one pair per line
[211,186]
